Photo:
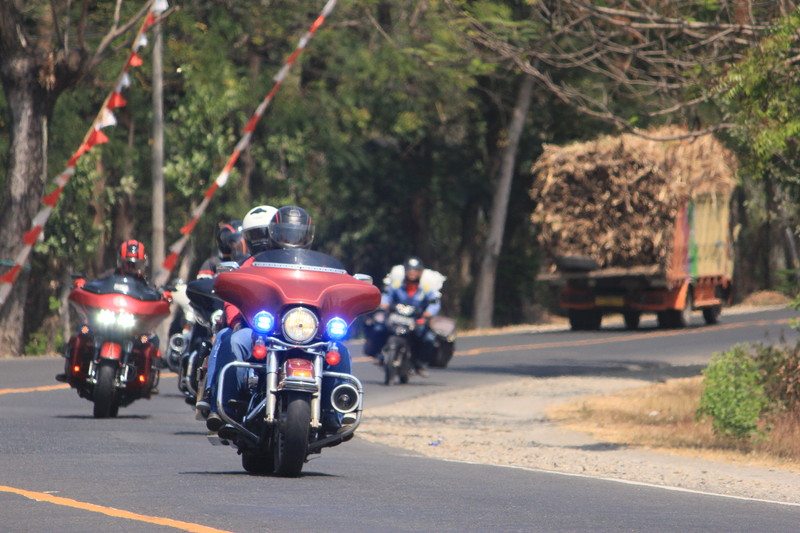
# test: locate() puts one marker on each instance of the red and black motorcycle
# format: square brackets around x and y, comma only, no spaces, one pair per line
[300,305]
[111,358]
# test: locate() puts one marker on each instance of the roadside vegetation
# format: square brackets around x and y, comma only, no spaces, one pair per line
[744,408]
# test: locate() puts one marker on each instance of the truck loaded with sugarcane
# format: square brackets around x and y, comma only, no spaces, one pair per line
[631,225]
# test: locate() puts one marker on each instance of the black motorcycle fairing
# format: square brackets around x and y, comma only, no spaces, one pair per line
[121,284]
[201,295]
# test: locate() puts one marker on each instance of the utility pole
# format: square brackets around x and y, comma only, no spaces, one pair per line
[158,252]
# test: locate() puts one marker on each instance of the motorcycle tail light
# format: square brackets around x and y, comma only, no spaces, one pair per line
[333,358]
[76,369]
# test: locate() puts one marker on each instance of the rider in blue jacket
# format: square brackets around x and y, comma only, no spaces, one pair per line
[411,291]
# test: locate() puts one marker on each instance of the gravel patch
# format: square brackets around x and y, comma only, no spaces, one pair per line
[506,424]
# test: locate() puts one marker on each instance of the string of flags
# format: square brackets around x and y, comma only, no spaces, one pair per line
[105,118]
[161,277]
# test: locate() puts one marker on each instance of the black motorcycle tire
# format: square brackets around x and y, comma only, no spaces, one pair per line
[106,403]
[291,443]
[258,463]
[390,354]
[404,352]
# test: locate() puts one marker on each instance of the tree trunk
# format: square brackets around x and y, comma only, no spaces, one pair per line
[484,293]
[29,107]
[158,251]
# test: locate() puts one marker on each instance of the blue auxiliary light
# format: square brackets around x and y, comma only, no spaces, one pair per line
[336,328]
[263,322]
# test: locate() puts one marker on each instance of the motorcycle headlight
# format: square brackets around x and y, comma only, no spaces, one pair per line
[336,328]
[126,320]
[109,318]
[300,325]
[263,322]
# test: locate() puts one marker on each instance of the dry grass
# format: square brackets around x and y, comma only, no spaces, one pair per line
[662,417]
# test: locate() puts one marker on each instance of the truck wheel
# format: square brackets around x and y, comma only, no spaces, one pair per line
[585,319]
[711,314]
[631,319]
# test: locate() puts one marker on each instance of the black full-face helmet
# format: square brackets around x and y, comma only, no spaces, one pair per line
[291,227]
[230,241]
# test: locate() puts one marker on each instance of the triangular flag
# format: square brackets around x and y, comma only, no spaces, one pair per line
[169,262]
[116,100]
[142,41]
[77,155]
[135,60]
[107,118]
[124,81]
[150,20]
[189,227]
[96,137]
[52,198]
[159,6]
[31,235]
[11,275]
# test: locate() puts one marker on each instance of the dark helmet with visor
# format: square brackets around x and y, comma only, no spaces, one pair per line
[291,227]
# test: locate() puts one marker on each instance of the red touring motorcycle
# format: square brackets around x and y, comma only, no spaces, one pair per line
[110,359]
[299,303]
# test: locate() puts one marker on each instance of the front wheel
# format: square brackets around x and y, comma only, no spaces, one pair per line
[291,443]
[711,314]
[258,463]
[106,403]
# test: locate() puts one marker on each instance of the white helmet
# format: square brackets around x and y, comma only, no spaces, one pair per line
[255,228]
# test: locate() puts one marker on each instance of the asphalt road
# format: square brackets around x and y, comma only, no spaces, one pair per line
[151,469]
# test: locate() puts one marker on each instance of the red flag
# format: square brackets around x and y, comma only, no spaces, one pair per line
[11,275]
[211,190]
[151,19]
[189,227]
[135,60]
[169,262]
[97,137]
[31,235]
[116,100]
[52,198]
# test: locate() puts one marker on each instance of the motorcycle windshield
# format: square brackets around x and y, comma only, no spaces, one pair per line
[277,279]
[120,295]
[201,295]
[119,284]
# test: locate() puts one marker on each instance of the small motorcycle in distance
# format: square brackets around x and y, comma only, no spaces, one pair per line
[111,358]
[300,304]
[400,324]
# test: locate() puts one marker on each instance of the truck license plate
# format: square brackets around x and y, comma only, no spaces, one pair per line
[609,301]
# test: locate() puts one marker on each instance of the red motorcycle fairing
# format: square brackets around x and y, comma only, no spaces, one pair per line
[148,313]
[334,293]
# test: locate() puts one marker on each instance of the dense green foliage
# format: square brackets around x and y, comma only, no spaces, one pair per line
[388,130]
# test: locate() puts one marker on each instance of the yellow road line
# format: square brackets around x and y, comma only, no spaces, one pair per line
[110,511]
[35,389]
[619,338]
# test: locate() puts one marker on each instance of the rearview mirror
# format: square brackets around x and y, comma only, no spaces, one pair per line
[363,277]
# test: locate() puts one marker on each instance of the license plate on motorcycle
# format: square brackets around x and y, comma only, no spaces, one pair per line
[401,320]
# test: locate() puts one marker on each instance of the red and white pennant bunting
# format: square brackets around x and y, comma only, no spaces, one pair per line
[94,136]
[162,275]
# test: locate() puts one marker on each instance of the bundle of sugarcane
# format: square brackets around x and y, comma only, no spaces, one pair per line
[615,199]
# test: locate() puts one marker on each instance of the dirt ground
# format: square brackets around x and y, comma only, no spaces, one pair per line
[508,425]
